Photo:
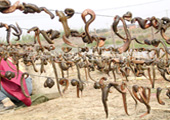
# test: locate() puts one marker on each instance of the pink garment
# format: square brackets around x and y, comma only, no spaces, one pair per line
[13,86]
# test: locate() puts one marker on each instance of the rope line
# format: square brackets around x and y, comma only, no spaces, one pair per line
[32,75]
[129,5]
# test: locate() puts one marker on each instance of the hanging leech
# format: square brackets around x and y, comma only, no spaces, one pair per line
[158,92]
[121,66]
[8,74]
[168,92]
[105,92]
[80,84]
[87,38]
[64,82]
[88,71]
[56,75]
[122,87]
[144,98]
[115,68]
[76,83]
[83,63]
[124,74]
[49,83]
[139,69]
[156,42]
[63,19]
[161,67]
[10,8]
[4,4]
[5,56]
[142,22]
[31,8]
[86,35]
[17,33]
[128,39]
[43,62]
[22,85]
[108,68]
[36,36]
[64,65]
[33,64]
[161,25]
[50,35]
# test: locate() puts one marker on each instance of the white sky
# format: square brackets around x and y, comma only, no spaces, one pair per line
[158,8]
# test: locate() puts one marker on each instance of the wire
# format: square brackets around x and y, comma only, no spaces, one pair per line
[97,15]
[24,28]
[129,86]
[129,5]
[40,17]
[33,75]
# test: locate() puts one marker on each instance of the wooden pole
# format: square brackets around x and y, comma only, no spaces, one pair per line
[112,36]
[153,35]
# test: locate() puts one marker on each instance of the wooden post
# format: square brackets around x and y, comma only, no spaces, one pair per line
[95,31]
[112,36]
[153,35]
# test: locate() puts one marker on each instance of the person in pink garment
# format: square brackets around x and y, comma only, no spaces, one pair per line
[11,89]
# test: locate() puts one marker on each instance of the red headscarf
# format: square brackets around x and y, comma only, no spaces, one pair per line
[13,86]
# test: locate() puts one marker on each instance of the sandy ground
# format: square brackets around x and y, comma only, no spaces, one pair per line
[90,107]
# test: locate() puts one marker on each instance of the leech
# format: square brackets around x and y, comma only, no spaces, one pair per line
[131,95]
[158,92]
[124,98]
[68,42]
[21,82]
[42,69]
[61,68]
[11,8]
[80,85]
[46,37]
[88,71]
[149,74]
[142,22]
[64,82]
[33,64]
[10,65]
[124,74]
[145,100]
[56,76]
[75,82]
[8,35]
[87,23]
[128,39]
[105,92]
[63,20]
[49,82]
[48,12]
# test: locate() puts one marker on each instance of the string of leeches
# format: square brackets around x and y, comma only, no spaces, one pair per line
[129,86]
[78,50]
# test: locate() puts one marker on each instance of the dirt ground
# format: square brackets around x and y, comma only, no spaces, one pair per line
[90,107]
